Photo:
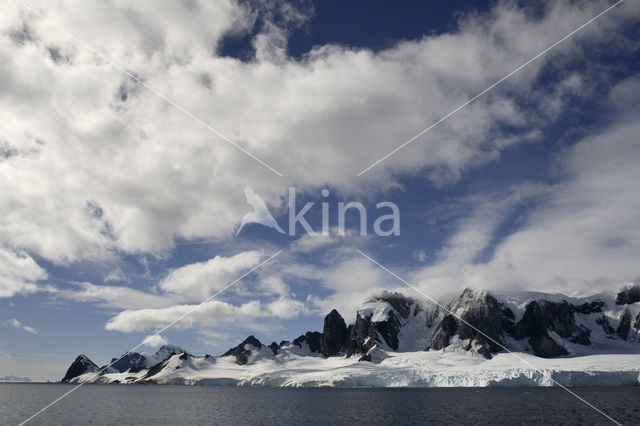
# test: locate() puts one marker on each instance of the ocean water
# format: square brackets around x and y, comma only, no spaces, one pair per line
[196,405]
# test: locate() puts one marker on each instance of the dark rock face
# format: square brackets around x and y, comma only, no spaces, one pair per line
[362,337]
[389,330]
[132,361]
[240,351]
[334,334]
[311,338]
[80,366]
[628,296]
[364,334]
[540,317]
[400,303]
[482,323]
[447,328]
[545,347]
[488,321]
[625,325]
[274,347]
[636,323]
[589,307]
[604,323]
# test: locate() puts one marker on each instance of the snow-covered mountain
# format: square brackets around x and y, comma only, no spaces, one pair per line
[493,338]
[12,379]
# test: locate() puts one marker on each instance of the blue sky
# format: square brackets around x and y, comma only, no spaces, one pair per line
[120,211]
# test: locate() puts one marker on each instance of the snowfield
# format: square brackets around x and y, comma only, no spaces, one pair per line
[398,341]
[405,369]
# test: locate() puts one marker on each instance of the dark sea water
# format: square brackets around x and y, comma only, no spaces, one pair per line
[186,405]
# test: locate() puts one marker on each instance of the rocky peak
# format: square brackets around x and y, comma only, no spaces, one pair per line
[362,337]
[380,320]
[400,303]
[628,296]
[542,317]
[80,366]
[243,351]
[313,339]
[625,324]
[334,334]
[170,350]
[479,320]
[162,354]
[131,361]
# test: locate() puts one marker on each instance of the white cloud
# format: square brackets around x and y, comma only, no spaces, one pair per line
[200,280]
[116,275]
[344,274]
[286,308]
[17,324]
[101,166]
[19,273]
[309,243]
[587,234]
[116,296]
[273,285]
[421,255]
[581,235]
[94,166]
[210,314]
[154,341]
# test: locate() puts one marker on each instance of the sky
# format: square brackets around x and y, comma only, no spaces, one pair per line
[130,130]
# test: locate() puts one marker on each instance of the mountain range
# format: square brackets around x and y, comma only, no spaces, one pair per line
[479,338]
[11,378]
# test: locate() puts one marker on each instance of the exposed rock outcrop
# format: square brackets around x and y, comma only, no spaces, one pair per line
[243,351]
[475,321]
[362,337]
[274,347]
[80,366]
[542,317]
[628,296]
[447,328]
[132,362]
[625,325]
[313,339]
[334,334]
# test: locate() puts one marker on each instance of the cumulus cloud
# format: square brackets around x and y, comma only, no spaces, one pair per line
[199,280]
[19,273]
[210,313]
[309,243]
[154,341]
[579,236]
[95,166]
[74,123]
[17,324]
[587,234]
[115,296]
[116,275]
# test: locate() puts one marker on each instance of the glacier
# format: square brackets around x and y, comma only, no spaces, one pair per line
[477,339]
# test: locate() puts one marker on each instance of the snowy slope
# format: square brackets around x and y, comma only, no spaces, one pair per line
[400,341]
[405,369]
